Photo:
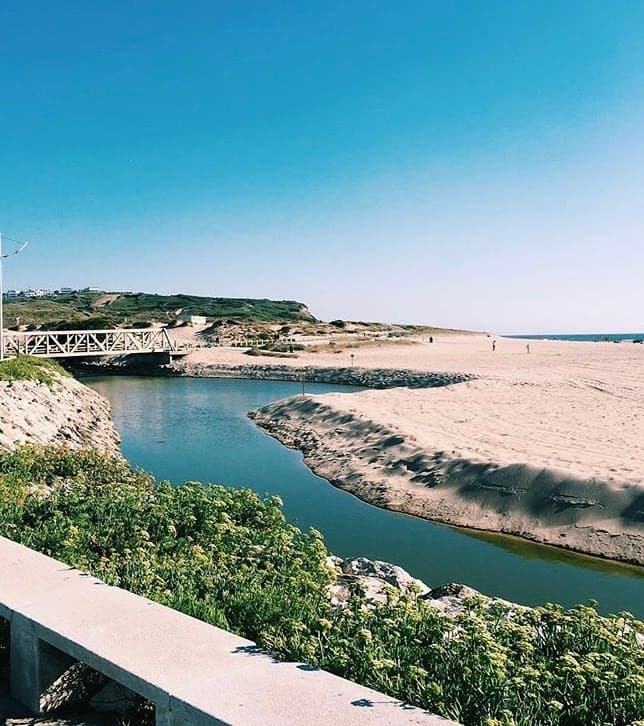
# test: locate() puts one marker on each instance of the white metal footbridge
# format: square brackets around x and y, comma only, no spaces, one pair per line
[85,343]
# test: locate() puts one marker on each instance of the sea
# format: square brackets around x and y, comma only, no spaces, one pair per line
[585,337]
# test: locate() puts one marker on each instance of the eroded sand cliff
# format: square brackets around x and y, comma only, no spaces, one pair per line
[66,413]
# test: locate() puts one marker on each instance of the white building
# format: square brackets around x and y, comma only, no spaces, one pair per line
[193,319]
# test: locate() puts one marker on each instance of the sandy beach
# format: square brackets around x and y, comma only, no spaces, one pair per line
[547,445]
[609,363]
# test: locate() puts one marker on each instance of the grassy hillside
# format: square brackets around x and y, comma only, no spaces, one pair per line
[95,310]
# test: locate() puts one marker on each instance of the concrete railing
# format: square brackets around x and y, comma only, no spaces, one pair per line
[193,672]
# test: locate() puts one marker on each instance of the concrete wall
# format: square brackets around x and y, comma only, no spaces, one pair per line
[193,672]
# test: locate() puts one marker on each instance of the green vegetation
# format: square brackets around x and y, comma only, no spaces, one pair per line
[230,558]
[29,368]
[212,307]
[266,353]
[96,322]
[37,311]
[276,349]
[83,309]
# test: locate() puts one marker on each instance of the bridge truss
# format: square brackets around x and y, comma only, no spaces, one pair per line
[84,343]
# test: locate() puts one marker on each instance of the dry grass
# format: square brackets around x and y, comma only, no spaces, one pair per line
[336,346]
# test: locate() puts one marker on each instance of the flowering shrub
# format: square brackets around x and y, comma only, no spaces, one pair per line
[229,557]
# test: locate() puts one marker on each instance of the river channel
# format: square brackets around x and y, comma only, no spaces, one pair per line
[184,429]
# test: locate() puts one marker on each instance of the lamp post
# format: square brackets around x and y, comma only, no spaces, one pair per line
[2,259]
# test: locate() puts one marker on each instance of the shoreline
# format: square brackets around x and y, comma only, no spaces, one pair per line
[373,378]
[557,552]
[371,462]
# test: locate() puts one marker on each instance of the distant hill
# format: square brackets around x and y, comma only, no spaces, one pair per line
[96,310]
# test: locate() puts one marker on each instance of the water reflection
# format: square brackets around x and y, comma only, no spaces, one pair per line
[531,550]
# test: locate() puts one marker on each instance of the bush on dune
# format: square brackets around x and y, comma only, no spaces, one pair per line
[30,368]
[230,558]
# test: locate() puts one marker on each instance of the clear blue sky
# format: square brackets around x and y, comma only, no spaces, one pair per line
[472,164]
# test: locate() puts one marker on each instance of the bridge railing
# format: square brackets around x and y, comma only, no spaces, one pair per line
[77,343]
[194,673]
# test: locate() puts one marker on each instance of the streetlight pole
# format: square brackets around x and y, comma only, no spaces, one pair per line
[2,259]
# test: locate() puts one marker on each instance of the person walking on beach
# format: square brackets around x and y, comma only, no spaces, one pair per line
[527,347]
[493,345]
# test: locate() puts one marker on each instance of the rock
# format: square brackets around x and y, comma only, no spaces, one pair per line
[375,578]
[386,573]
[338,594]
[334,562]
[72,688]
[450,599]
[373,589]
[366,377]
[449,606]
[452,589]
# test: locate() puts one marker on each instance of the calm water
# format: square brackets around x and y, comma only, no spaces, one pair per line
[182,429]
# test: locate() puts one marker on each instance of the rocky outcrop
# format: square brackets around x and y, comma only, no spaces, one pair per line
[363,377]
[385,572]
[374,579]
[67,413]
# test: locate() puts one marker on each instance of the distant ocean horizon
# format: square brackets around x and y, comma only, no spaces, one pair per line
[583,337]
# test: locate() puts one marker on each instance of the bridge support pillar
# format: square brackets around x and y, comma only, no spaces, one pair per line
[35,665]
[163,716]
